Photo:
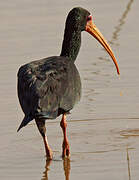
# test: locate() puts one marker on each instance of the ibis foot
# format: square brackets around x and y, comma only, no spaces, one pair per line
[65,146]
[66,150]
[49,153]
[49,156]
[42,129]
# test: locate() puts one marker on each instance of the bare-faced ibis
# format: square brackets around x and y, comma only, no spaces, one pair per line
[51,86]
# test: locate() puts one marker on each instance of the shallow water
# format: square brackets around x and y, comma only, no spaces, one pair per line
[103,128]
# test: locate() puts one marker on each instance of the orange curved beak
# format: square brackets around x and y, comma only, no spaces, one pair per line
[93,30]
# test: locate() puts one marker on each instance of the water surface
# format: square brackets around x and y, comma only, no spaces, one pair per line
[103,128]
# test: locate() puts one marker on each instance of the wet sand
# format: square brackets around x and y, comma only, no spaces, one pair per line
[103,128]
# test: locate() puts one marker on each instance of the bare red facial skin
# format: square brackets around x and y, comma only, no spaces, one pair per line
[89,18]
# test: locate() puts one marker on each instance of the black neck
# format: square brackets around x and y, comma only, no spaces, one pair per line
[71,43]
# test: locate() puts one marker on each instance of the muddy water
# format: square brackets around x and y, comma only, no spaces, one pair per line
[103,128]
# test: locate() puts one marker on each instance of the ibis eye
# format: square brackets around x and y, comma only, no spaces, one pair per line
[89,18]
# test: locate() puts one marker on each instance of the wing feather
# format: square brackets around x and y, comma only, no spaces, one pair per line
[41,85]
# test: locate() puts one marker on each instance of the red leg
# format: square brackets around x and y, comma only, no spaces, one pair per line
[41,126]
[63,124]
[48,150]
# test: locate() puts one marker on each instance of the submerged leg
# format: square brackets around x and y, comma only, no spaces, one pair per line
[63,124]
[41,126]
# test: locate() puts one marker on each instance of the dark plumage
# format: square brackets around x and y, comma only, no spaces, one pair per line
[46,88]
[51,86]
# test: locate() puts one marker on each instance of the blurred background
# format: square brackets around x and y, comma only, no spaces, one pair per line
[103,129]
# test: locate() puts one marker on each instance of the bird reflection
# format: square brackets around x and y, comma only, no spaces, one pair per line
[121,23]
[66,168]
[45,173]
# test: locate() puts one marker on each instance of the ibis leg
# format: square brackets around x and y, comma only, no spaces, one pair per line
[63,124]
[42,129]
